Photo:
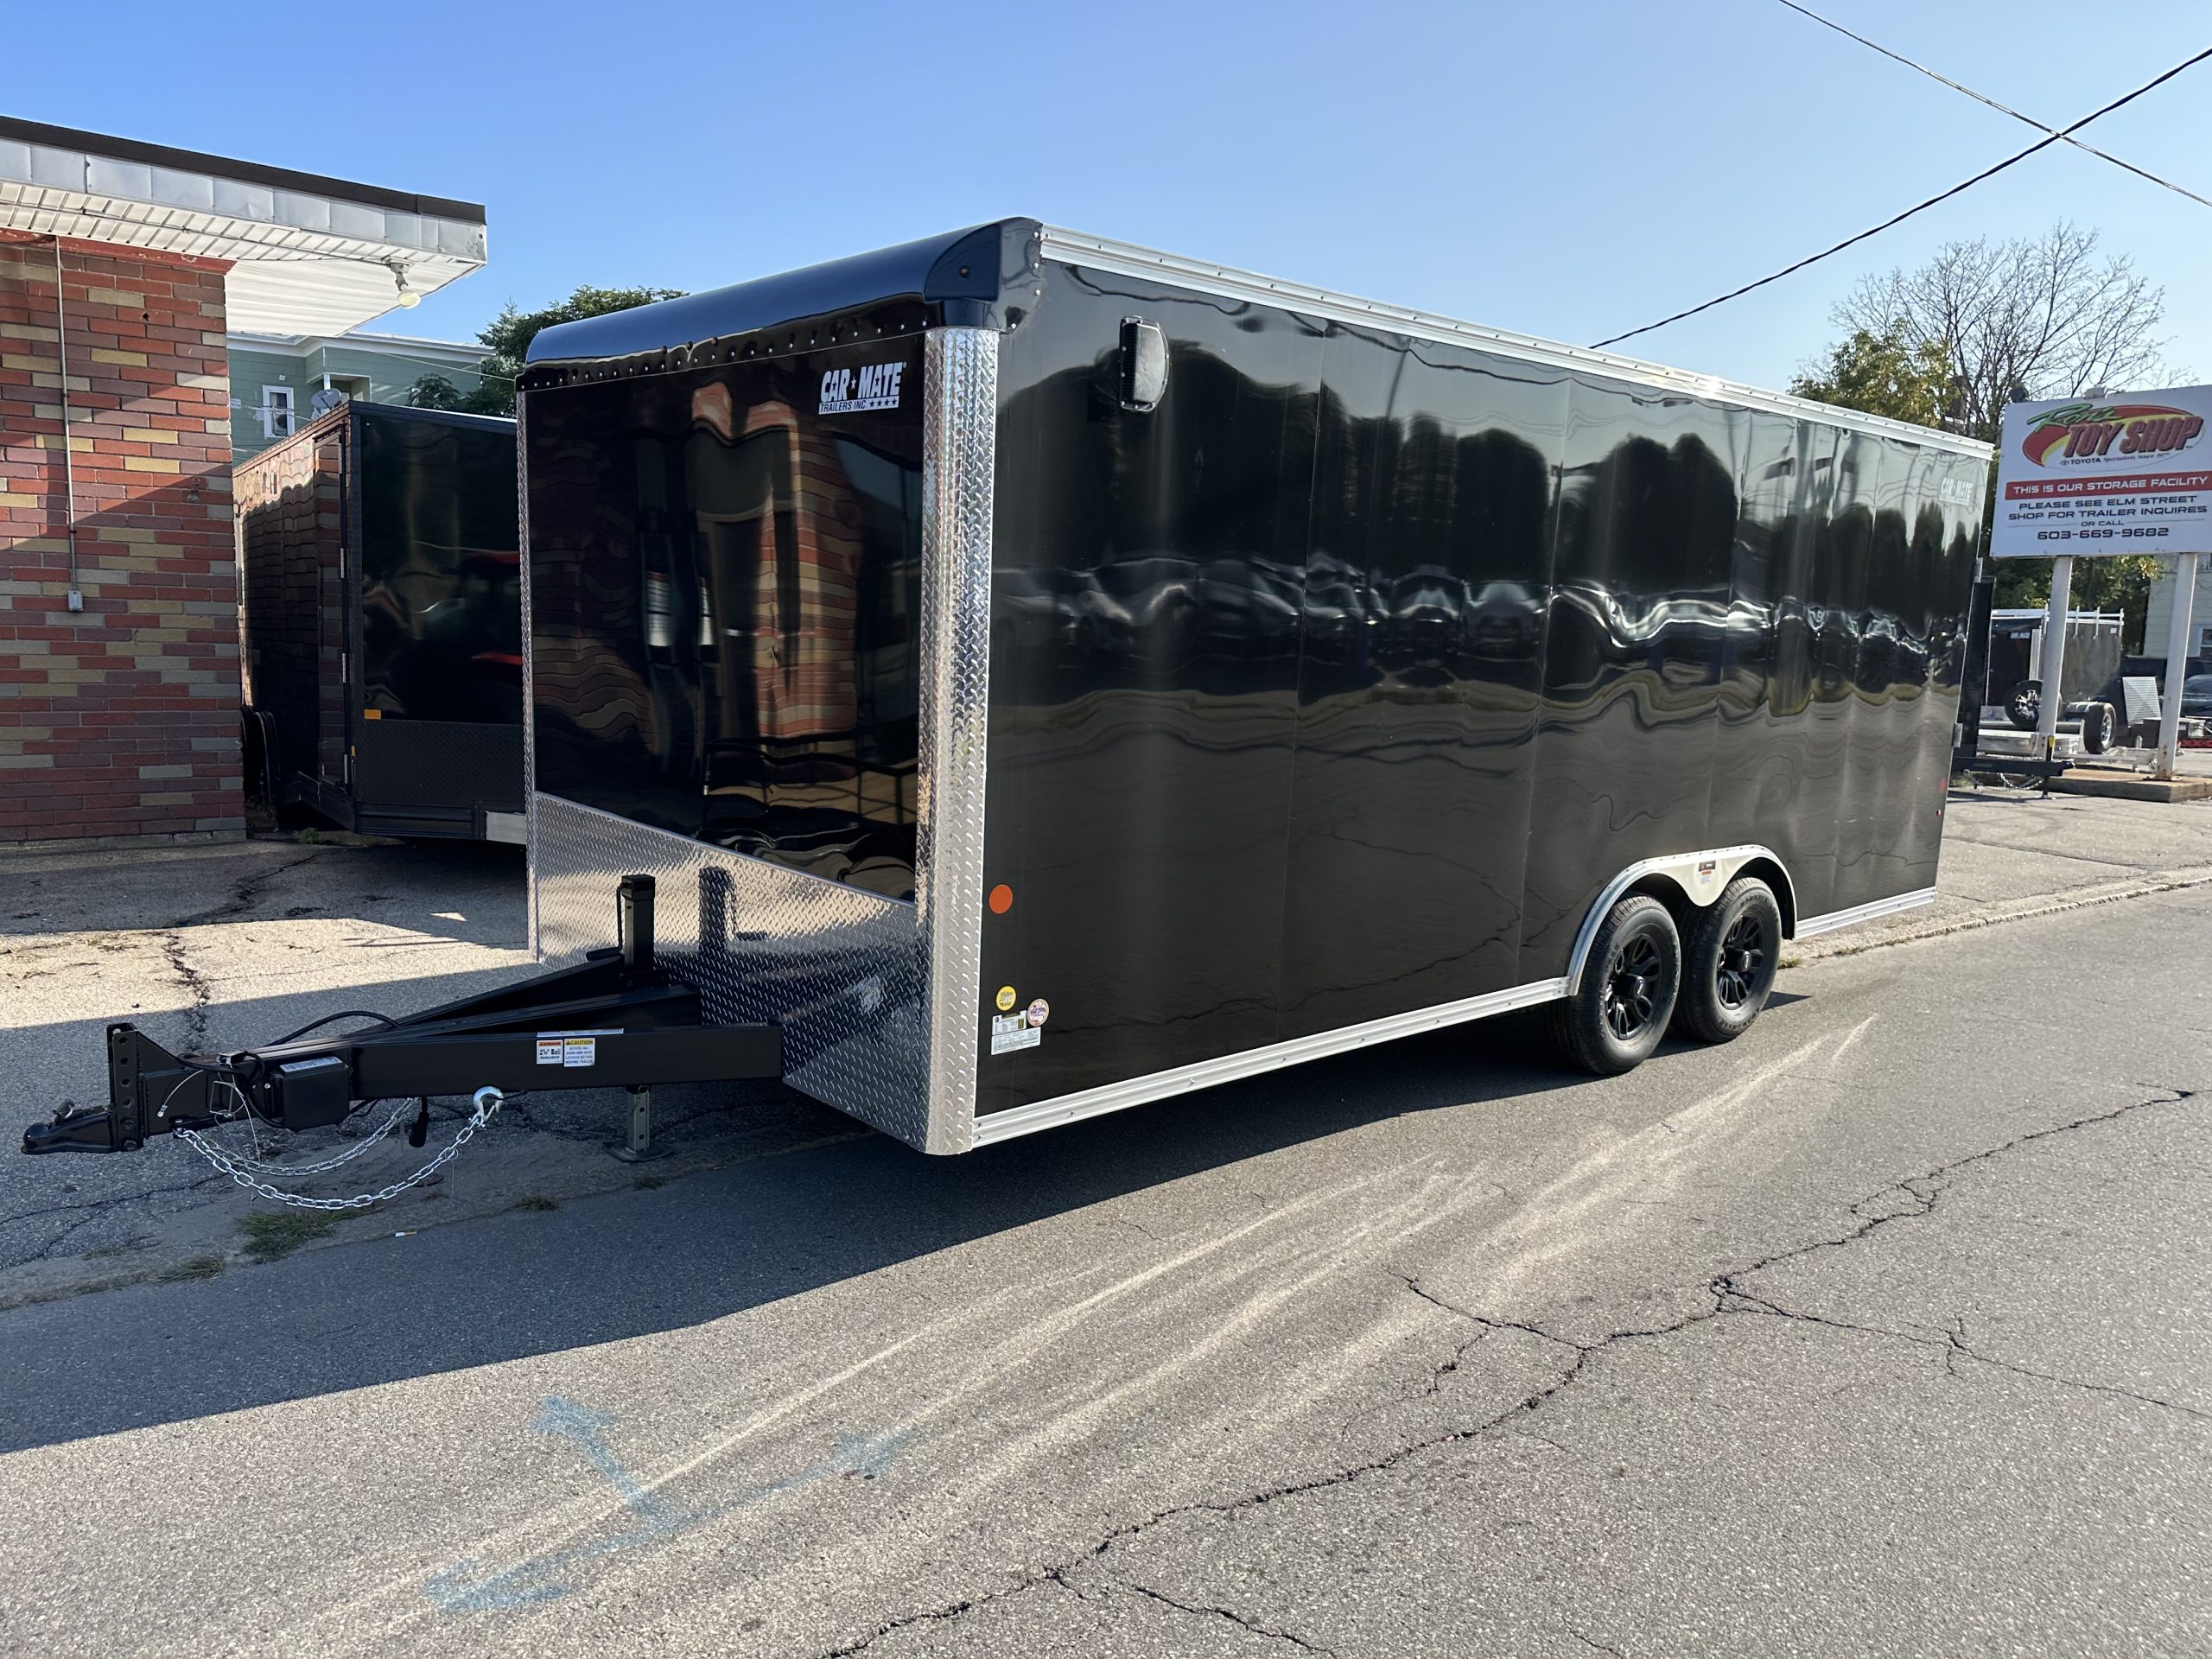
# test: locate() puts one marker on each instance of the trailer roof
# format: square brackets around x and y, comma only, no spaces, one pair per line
[958,265]
[1102,254]
[965,265]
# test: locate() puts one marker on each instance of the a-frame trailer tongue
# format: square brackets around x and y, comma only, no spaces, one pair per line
[616,1020]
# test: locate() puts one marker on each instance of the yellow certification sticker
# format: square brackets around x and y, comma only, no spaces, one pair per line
[1005,998]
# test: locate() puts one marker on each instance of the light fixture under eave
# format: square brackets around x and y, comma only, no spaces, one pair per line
[408,299]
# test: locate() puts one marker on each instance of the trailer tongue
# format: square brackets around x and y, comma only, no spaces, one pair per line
[618,1020]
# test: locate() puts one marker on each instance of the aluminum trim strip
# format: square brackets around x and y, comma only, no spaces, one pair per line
[1227,282]
[1857,913]
[960,375]
[529,697]
[1205,1074]
[1698,889]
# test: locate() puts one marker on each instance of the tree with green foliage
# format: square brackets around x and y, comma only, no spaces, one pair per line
[1887,373]
[508,337]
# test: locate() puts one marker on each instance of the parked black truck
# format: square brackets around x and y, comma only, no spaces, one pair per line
[1021,676]
[381,621]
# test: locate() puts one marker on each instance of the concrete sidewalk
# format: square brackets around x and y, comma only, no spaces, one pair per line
[2012,854]
[222,946]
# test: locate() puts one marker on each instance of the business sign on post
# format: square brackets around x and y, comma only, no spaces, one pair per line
[2130,474]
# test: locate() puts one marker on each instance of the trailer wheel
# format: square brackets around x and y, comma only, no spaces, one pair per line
[1618,1014]
[2023,704]
[1728,969]
[2097,723]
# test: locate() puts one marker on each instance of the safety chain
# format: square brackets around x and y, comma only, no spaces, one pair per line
[260,1166]
[241,1170]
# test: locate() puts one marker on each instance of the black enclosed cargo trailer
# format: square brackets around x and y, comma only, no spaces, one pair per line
[1015,675]
[1068,676]
[379,567]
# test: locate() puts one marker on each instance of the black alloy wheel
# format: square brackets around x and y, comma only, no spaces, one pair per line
[1632,981]
[1743,954]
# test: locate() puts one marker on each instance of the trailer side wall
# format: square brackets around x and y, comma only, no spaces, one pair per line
[1340,684]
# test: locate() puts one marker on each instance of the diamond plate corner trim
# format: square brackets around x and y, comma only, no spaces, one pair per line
[529,701]
[960,376]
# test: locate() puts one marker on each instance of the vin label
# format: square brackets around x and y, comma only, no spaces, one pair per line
[873,385]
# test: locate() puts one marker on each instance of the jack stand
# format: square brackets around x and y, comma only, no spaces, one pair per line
[640,1149]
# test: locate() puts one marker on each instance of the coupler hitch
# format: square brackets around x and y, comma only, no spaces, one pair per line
[617,1020]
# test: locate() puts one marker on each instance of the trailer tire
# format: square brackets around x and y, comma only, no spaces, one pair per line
[2097,723]
[2023,704]
[1728,968]
[1619,1013]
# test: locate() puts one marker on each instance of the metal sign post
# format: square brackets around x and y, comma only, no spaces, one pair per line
[2051,670]
[2176,666]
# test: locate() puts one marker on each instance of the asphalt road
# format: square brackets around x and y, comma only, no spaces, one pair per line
[1883,1330]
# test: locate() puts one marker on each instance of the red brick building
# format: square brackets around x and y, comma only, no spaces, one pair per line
[122,267]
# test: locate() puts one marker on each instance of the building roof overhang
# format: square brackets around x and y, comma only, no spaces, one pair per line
[310,255]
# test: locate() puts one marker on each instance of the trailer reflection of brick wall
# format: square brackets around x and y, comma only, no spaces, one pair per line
[121,721]
[802,641]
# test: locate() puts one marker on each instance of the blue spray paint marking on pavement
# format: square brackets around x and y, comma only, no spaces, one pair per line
[469,1586]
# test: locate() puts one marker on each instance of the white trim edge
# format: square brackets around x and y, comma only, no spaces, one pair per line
[1204,1074]
[1858,913]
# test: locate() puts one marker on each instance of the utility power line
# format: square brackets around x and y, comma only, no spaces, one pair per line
[1918,208]
[2002,109]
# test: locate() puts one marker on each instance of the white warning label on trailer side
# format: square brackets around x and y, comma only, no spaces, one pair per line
[1012,1031]
[579,1050]
[549,1051]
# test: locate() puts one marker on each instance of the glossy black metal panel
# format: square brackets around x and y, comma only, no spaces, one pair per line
[726,589]
[1148,570]
[1426,579]
[440,573]
[1338,686]
[1766,671]
[1635,648]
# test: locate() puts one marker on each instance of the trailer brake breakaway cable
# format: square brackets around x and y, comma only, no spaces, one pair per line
[247,1172]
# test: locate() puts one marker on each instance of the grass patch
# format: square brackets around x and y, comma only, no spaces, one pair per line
[535,1201]
[198,1266]
[273,1234]
[309,836]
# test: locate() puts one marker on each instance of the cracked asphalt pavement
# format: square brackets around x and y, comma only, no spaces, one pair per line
[1884,1329]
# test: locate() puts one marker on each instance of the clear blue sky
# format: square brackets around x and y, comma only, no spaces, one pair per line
[1567,170]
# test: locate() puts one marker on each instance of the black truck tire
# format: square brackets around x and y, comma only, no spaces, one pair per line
[2024,703]
[1617,1015]
[2097,724]
[1729,964]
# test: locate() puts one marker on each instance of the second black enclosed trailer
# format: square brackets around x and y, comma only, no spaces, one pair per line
[1043,675]
[381,621]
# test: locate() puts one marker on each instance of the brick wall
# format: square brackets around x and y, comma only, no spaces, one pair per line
[122,721]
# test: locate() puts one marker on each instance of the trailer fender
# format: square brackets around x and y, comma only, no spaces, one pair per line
[1694,879]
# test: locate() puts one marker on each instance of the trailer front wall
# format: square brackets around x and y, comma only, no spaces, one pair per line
[1338,686]
[441,640]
